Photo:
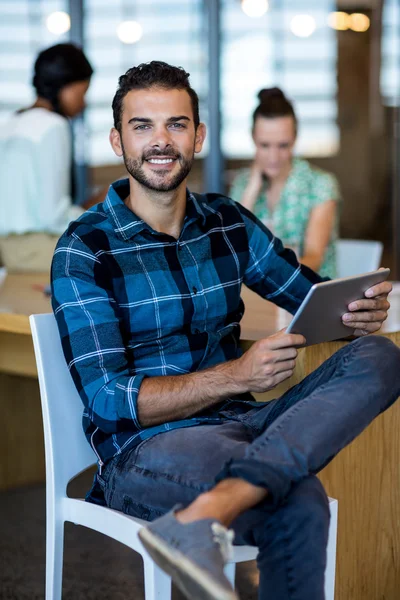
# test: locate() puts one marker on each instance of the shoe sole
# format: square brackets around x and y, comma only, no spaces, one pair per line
[193,581]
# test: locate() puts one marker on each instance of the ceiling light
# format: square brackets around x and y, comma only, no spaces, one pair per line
[303,25]
[359,22]
[129,32]
[58,22]
[255,8]
[339,20]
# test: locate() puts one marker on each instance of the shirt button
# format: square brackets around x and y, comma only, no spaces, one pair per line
[194,290]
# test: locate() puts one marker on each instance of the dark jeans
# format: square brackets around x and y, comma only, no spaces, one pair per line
[280,445]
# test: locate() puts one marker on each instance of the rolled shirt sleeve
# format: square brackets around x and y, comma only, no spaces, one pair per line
[93,345]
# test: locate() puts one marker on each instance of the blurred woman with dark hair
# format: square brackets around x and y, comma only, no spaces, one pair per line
[36,154]
[295,199]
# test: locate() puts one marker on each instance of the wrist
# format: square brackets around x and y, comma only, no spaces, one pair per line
[254,186]
[235,382]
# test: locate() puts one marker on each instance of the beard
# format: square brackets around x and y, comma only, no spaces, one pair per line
[159,182]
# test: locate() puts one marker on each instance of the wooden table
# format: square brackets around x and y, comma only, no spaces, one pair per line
[21,440]
[365,477]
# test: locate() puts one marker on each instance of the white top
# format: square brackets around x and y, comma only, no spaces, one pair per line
[35,167]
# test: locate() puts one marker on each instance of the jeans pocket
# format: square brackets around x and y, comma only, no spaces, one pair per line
[117,470]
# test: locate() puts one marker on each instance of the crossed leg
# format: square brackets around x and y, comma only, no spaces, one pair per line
[261,466]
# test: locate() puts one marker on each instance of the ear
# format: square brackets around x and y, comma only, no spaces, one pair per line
[200,137]
[115,141]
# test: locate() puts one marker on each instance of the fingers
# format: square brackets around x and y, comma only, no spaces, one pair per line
[380,288]
[270,361]
[364,327]
[365,331]
[284,354]
[379,303]
[272,357]
[286,366]
[270,366]
[354,319]
[367,314]
[282,376]
[281,339]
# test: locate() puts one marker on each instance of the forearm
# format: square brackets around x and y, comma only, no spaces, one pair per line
[250,195]
[171,398]
[267,363]
[313,261]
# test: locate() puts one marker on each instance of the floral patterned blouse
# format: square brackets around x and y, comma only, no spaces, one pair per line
[306,187]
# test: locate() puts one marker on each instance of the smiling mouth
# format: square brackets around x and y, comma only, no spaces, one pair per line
[160,161]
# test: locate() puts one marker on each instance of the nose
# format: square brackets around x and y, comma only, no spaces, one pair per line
[161,138]
[273,154]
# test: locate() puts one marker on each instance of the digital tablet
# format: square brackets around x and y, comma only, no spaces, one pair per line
[319,317]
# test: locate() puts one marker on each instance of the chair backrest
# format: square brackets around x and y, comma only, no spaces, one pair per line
[66,447]
[357,256]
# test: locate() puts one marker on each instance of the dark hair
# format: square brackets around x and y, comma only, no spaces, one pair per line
[58,66]
[153,74]
[273,104]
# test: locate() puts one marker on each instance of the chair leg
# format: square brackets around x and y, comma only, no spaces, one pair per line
[230,572]
[157,584]
[331,553]
[54,558]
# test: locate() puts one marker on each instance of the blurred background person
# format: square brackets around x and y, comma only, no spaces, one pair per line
[36,172]
[296,200]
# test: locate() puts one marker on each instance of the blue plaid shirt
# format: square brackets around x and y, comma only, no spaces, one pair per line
[131,303]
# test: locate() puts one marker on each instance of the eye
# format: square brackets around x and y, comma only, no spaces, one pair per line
[177,126]
[142,127]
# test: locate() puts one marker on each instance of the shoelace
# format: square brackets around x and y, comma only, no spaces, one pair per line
[224,538]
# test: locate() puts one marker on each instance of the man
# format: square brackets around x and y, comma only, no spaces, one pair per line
[146,292]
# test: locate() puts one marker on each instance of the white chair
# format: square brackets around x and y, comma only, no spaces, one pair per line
[68,454]
[357,256]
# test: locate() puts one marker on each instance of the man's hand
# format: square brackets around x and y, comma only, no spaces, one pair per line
[268,361]
[367,315]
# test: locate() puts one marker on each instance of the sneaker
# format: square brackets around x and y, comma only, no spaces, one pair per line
[193,554]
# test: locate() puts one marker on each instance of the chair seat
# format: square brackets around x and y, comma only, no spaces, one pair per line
[122,527]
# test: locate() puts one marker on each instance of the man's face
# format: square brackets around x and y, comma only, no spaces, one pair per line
[158,140]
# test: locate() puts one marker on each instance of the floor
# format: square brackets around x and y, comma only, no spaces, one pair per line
[95,567]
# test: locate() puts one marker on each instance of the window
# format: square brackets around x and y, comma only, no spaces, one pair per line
[263,52]
[171,31]
[256,53]
[23,34]
[390,72]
